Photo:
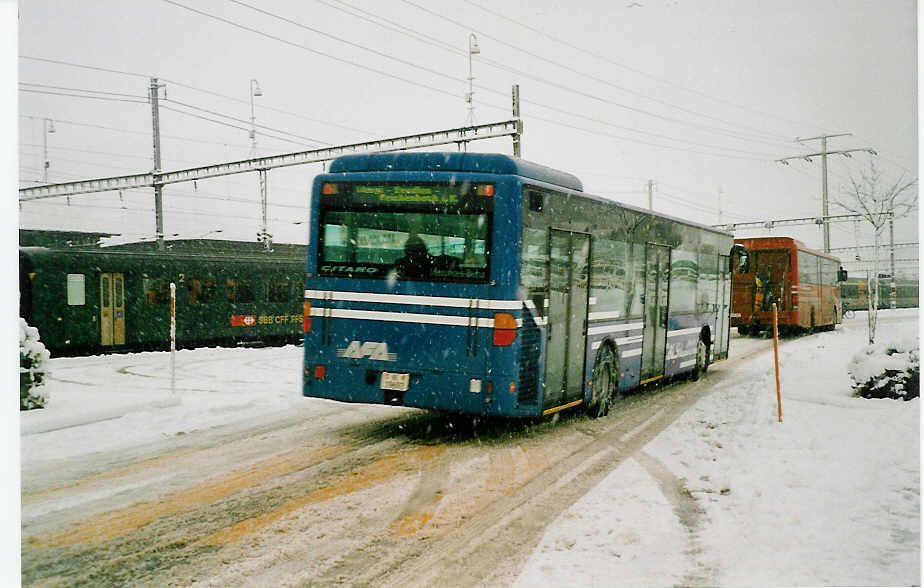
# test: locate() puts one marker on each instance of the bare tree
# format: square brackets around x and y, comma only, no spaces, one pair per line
[879,203]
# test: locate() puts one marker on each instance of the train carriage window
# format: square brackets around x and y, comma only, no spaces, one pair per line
[119,295]
[76,290]
[106,290]
[202,290]
[240,290]
[277,290]
[156,290]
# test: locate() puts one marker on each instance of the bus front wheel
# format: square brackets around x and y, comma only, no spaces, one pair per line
[604,382]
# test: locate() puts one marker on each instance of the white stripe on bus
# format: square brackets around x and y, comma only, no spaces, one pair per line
[599,316]
[623,352]
[411,299]
[681,332]
[613,328]
[406,317]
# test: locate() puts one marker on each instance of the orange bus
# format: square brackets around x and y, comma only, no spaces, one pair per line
[803,283]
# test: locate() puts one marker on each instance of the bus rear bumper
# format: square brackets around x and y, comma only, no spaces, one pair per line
[441,391]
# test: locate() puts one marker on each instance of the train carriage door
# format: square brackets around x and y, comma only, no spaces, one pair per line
[654,336]
[112,309]
[118,307]
[723,308]
[567,317]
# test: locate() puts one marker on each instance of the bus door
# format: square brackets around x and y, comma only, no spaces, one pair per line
[112,309]
[654,336]
[723,307]
[567,317]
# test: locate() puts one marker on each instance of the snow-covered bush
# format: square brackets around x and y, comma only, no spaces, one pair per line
[33,367]
[887,370]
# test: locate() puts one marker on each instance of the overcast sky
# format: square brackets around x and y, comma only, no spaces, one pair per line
[702,97]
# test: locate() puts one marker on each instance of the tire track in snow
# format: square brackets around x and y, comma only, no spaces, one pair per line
[689,512]
[474,542]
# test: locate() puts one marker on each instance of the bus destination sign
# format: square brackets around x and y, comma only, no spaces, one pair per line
[408,194]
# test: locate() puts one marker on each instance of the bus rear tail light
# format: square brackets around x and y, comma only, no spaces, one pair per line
[795,301]
[505,329]
[319,372]
[306,317]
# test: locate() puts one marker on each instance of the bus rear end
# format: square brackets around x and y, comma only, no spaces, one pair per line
[411,294]
[767,279]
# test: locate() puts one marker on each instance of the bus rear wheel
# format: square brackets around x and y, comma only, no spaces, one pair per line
[702,360]
[604,382]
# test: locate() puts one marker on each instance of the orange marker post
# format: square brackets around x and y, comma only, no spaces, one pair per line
[776,365]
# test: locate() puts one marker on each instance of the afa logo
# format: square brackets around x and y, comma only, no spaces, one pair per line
[377,350]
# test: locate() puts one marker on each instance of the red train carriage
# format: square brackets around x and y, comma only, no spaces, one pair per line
[803,283]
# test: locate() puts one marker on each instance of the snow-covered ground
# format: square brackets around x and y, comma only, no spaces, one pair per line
[828,497]
[725,496]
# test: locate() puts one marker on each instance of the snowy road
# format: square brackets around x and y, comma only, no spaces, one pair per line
[235,480]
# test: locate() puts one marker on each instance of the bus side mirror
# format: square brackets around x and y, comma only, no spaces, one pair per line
[842,275]
[740,256]
[743,264]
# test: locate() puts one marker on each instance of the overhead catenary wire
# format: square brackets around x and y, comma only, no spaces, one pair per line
[541,79]
[401,29]
[240,120]
[227,124]
[570,68]
[306,48]
[552,121]
[269,108]
[637,71]
[406,80]
[72,95]
[86,90]
[187,105]
[132,131]
[195,88]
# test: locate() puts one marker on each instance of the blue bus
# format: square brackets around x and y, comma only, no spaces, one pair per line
[490,285]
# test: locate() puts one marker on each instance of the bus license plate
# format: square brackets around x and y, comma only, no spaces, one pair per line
[392,381]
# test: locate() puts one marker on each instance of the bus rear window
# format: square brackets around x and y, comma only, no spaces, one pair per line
[415,233]
[772,263]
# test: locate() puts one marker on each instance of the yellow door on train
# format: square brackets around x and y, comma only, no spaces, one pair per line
[112,309]
[118,307]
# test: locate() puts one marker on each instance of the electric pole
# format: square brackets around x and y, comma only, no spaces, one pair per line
[824,173]
[516,115]
[158,185]
[650,195]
